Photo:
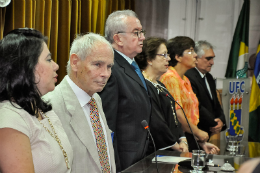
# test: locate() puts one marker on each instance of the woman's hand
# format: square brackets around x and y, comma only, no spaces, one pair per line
[209,148]
[176,147]
[202,136]
[183,146]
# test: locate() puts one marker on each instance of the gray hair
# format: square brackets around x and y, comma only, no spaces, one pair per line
[116,22]
[83,46]
[200,46]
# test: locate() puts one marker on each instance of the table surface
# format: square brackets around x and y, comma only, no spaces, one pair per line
[147,166]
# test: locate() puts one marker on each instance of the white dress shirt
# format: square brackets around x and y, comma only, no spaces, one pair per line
[129,60]
[207,84]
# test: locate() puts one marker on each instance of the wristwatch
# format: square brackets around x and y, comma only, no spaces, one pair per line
[185,142]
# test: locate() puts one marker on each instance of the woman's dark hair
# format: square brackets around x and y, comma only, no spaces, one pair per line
[150,49]
[177,45]
[19,53]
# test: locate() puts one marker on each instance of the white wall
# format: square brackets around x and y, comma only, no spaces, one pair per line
[214,21]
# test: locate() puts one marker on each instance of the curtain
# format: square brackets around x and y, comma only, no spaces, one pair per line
[154,19]
[60,21]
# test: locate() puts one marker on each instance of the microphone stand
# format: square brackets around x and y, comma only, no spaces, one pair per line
[167,95]
[145,125]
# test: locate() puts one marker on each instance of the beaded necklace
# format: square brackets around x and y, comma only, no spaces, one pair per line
[161,88]
[55,136]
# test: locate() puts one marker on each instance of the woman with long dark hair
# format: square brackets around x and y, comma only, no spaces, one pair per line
[32,138]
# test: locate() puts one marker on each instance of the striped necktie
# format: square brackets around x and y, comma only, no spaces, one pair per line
[100,137]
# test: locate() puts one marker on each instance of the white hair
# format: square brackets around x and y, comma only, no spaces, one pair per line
[83,46]
[116,23]
[200,46]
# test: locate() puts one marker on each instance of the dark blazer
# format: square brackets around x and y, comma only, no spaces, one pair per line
[163,128]
[126,103]
[209,109]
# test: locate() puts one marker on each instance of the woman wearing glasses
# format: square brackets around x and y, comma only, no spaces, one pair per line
[164,124]
[32,138]
[183,58]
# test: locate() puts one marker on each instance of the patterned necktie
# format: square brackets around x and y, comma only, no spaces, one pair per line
[139,73]
[100,137]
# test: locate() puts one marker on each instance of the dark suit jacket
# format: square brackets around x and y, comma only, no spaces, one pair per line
[209,109]
[126,103]
[162,125]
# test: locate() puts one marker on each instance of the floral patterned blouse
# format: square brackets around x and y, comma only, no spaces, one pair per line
[182,92]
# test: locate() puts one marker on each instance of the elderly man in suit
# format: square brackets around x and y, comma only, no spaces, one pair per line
[125,98]
[79,107]
[212,118]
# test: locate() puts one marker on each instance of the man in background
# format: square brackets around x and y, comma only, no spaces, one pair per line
[125,98]
[211,115]
[79,107]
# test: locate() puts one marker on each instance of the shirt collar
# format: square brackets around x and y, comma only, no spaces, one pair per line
[201,74]
[129,60]
[82,96]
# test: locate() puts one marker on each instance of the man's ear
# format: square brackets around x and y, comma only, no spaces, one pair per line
[74,62]
[118,40]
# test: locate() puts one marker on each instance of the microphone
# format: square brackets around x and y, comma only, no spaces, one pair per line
[145,125]
[167,95]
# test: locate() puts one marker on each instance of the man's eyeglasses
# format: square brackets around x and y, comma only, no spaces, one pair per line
[191,52]
[136,33]
[165,55]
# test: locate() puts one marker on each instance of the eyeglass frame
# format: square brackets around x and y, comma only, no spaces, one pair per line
[191,51]
[136,33]
[165,55]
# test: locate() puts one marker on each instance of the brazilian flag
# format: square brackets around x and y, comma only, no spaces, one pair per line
[254,110]
[238,56]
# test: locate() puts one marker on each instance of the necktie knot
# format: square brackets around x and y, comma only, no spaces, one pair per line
[139,73]
[135,65]
[92,102]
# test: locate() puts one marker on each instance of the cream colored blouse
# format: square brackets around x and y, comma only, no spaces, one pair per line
[46,152]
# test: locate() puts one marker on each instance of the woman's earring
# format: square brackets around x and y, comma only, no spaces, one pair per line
[150,63]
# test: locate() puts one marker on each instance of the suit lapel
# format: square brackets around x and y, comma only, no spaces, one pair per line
[211,86]
[128,69]
[78,120]
[202,82]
